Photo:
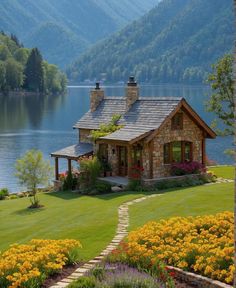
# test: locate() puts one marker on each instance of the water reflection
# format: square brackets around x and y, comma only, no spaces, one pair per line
[45,123]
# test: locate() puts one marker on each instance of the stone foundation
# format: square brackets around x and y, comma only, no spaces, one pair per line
[151,182]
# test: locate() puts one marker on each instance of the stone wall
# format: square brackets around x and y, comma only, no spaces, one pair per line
[190,132]
[113,158]
[84,136]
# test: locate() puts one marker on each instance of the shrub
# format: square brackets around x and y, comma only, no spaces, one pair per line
[185,182]
[70,182]
[13,196]
[105,129]
[178,169]
[3,193]
[83,282]
[102,187]
[89,171]
[118,275]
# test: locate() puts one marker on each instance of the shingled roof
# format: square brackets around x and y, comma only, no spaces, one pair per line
[145,115]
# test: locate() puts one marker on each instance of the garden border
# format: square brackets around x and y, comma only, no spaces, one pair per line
[123,222]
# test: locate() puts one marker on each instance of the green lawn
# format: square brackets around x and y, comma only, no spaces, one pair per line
[93,220]
[223,171]
[199,200]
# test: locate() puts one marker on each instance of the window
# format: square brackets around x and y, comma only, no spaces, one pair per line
[177,121]
[178,151]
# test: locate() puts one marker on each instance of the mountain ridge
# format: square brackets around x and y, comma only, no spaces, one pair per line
[87,20]
[175,42]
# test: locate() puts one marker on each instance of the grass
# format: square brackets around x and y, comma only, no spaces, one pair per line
[93,220]
[227,172]
[193,201]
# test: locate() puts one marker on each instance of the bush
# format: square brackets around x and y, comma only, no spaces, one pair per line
[178,169]
[89,171]
[70,182]
[103,187]
[3,193]
[83,282]
[134,185]
[186,182]
[13,196]
[119,275]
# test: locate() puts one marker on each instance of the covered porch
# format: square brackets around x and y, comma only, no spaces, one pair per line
[71,153]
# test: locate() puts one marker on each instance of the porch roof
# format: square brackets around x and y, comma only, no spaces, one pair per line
[74,151]
[128,134]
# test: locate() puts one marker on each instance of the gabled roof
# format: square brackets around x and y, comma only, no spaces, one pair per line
[145,117]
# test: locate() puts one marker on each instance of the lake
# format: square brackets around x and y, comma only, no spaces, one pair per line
[45,123]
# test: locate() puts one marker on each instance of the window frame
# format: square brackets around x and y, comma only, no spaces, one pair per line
[168,152]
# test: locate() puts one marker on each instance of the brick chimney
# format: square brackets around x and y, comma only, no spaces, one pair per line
[132,92]
[96,96]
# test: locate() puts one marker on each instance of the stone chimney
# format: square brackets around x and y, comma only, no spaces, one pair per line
[96,96]
[132,92]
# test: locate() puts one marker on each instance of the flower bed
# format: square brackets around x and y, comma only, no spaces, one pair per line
[30,264]
[118,275]
[203,244]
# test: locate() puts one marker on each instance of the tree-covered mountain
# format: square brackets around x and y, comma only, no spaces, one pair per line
[61,29]
[24,69]
[175,42]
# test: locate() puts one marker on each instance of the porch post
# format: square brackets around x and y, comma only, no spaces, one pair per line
[56,169]
[129,160]
[69,166]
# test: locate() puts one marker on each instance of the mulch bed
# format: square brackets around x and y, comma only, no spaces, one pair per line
[66,271]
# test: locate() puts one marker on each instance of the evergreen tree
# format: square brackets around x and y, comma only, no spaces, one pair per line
[34,72]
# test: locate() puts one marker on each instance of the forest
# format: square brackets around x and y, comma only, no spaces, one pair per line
[176,42]
[24,69]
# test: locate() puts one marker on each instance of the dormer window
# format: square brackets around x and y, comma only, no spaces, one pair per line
[177,121]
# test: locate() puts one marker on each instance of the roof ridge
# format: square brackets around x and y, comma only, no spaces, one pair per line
[156,98]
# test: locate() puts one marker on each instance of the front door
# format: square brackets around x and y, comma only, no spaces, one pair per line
[122,160]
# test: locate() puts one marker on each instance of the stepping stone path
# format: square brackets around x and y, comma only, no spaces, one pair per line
[121,233]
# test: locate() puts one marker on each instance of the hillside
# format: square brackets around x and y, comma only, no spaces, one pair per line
[175,42]
[79,23]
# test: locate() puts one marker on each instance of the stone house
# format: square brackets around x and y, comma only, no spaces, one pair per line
[155,133]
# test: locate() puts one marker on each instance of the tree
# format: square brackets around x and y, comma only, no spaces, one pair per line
[34,80]
[33,171]
[222,98]
[2,76]
[14,74]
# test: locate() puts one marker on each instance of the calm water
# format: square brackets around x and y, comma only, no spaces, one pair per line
[45,123]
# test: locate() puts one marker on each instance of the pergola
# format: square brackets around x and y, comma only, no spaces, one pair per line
[74,152]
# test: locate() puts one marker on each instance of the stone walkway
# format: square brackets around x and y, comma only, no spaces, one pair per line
[121,232]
